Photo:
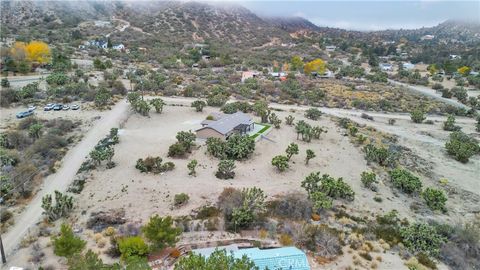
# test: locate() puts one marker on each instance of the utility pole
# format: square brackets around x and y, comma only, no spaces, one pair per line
[4,259]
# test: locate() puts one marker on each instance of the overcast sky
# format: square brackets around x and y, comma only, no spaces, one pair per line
[370,15]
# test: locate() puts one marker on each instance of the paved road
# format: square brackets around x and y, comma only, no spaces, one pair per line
[429,92]
[64,176]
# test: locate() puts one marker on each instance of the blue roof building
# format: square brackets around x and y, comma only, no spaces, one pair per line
[285,258]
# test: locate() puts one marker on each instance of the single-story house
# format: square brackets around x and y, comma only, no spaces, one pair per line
[224,125]
[408,66]
[249,75]
[278,74]
[427,37]
[455,56]
[284,258]
[386,66]
[330,48]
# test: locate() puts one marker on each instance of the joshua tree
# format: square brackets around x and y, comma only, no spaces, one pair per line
[289,120]
[35,130]
[157,103]
[281,162]
[274,120]
[191,167]
[291,150]
[61,208]
[225,169]
[143,107]
[199,105]
[310,155]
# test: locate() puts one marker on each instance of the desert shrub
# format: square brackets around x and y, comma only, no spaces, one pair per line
[8,96]
[461,146]
[321,201]
[225,169]
[154,165]
[285,240]
[241,208]
[417,115]
[66,243]
[177,150]
[180,199]
[132,246]
[219,259]
[405,180]
[313,113]
[391,121]
[320,239]
[291,206]
[425,260]
[437,86]
[281,162]
[57,78]
[387,227]
[333,188]
[369,179]
[462,251]
[191,167]
[449,125]
[161,232]
[207,211]
[434,198]
[199,105]
[421,237]
[5,216]
[382,156]
[446,93]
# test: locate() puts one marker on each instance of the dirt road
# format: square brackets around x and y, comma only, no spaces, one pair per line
[429,92]
[64,176]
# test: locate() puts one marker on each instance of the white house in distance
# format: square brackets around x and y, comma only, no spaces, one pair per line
[222,126]
[330,48]
[386,67]
[428,37]
[408,66]
[455,56]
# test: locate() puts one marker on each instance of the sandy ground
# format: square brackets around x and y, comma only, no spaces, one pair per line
[143,195]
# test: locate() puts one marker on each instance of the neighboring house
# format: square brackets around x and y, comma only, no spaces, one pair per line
[428,37]
[408,66]
[386,67]
[249,75]
[330,48]
[278,74]
[119,47]
[455,56]
[287,258]
[224,125]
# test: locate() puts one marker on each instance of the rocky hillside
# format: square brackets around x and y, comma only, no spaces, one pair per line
[291,24]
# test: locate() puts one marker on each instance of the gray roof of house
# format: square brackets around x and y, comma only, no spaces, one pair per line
[226,124]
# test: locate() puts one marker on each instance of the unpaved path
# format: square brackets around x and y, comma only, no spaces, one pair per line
[64,176]
[429,92]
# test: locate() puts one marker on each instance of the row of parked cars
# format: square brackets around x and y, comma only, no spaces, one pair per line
[59,107]
[48,107]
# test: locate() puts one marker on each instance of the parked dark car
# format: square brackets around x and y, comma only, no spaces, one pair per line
[58,107]
[24,114]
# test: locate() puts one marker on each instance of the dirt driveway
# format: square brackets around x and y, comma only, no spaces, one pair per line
[64,176]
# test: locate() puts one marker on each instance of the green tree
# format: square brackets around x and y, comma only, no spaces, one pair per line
[132,246]
[102,97]
[368,179]
[158,104]
[160,232]
[292,149]
[67,244]
[225,169]
[35,130]
[218,260]
[89,261]
[261,109]
[310,155]
[187,139]
[461,146]
[417,115]
[313,113]
[281,162]
[24,67]
[199,105]
[296,63]
[321,201]
[133,98]
[191,167]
